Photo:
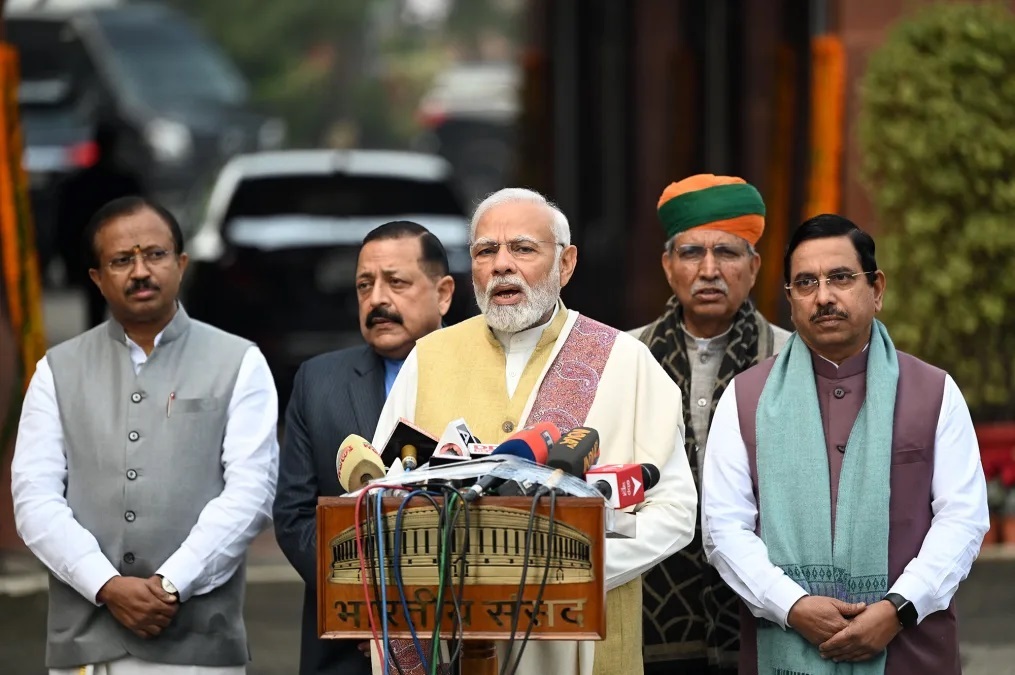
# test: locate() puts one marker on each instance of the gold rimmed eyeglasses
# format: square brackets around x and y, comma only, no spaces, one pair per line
[808,286]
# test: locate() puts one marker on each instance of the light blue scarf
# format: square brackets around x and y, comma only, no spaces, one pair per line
[795,498]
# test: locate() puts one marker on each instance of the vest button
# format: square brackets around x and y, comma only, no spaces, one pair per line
[128,558]
[839,392]
[702,403]
[136,397]
[508,427]
[131,474]
[133,435]
[129,516]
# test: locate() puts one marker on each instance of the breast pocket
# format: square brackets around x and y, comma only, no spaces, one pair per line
[198,427]
[912,473]
[188,406]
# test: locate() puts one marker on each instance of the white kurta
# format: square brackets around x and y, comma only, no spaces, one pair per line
[129,665]
[959,504]
[637,412]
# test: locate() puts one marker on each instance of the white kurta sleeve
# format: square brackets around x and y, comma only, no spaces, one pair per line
[667,517]
[959,504]
[401,401]
[729,516]
[43,518]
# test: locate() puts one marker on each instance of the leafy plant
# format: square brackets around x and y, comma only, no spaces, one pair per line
[937,134]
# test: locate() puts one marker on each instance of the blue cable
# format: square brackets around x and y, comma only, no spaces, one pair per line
[397,571]
[384,585]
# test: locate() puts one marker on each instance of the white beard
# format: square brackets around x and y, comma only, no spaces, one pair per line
[537,301]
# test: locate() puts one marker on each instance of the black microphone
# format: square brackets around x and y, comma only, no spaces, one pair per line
[517,487]
[576,451]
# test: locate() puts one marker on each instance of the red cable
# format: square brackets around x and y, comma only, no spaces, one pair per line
[363,560]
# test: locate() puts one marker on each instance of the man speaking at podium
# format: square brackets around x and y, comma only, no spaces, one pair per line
[531,360]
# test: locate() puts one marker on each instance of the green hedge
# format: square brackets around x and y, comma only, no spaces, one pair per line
[937,134]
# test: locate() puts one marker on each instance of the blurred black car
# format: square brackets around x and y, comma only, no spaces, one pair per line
[180,106]
[275,258]
[469,116]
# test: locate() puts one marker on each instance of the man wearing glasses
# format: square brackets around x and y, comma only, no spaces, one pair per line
[843,497]
[528,359]
[145,463]
[708,333]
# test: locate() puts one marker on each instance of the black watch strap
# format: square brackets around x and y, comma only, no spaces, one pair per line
[904,608]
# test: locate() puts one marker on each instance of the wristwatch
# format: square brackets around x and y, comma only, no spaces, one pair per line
[168,587]
[904,608]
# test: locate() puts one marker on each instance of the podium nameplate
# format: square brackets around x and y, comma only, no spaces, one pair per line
[573,601]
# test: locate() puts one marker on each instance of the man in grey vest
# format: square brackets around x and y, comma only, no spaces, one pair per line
[404,291]
[145,464]
[709,332]
[843,497]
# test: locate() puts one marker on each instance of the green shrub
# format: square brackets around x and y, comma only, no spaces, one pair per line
[937,135]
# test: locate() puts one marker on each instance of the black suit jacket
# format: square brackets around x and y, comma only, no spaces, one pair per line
[334,395]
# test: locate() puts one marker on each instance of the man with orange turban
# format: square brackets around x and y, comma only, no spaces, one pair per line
[709,332]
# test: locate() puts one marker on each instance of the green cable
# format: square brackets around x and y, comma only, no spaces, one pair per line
[448,533]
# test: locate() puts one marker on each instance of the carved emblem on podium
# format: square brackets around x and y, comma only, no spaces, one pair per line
[495,555]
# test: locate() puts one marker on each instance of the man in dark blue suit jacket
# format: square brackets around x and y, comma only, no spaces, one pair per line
[404,291]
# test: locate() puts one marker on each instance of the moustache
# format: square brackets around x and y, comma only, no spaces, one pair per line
[382,314]
[829,310]
[141,285]
[712,285]
[508,280]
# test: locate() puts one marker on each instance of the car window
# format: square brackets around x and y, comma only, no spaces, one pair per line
[162,59]
[288,212]
[341,196]
[50,61]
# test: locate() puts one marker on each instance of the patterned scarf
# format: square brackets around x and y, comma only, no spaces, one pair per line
[688,612]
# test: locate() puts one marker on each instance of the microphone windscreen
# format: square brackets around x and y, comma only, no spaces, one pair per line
[357,463]
[531,443]
[651,474]
[576,451]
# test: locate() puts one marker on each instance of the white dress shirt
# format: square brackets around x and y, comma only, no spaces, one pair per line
[216,545]
[959,504]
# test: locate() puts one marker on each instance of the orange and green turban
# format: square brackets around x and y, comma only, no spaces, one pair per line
[713,202]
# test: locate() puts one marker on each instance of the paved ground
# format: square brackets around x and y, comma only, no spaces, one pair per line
[986,604]
[986,601]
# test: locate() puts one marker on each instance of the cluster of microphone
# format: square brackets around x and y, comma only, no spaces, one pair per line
[574,453]
[537,461]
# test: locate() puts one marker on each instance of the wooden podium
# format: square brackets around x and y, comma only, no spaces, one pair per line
[574,598]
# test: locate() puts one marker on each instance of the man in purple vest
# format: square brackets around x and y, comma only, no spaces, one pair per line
[842,496]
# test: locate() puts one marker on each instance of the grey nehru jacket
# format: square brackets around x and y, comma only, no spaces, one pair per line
[138,477]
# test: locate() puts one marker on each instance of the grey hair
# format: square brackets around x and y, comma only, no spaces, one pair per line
[751,251]
[559,225]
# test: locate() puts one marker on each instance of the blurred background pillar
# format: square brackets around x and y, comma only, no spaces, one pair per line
[22,339]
